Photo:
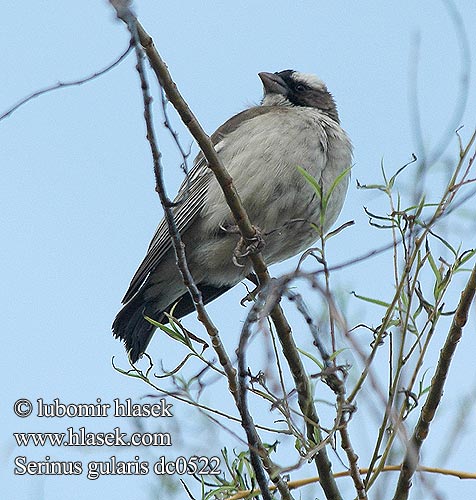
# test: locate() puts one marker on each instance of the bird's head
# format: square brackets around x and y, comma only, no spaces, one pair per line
[292,88]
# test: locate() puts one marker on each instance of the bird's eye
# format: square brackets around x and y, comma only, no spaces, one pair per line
[300,87]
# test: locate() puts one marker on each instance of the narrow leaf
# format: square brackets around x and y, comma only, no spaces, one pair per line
[311,180]
[372,301]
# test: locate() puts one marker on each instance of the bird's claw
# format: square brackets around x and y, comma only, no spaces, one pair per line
[247,247]
[235,261]
[230,228]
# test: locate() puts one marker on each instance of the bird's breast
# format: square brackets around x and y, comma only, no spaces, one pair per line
[263,156]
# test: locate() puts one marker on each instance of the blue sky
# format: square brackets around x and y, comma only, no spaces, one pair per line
[77,193]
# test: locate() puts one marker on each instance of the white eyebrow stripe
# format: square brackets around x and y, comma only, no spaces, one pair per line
[310,80]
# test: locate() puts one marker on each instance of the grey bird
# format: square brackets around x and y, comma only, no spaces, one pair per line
[296,125]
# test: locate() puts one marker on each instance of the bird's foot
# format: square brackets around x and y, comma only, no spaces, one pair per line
[248,246]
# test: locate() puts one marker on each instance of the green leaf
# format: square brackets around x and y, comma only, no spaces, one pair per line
[447,245]
[466,256]
[371,300]
[312,358]
[174,334]
[336,353]
[316,435]
[391,182]
[435,269]
[380,187]
[129,373]
[336,182]
[314,183]
[393,322]
[378,217]
[384,175]
[298,444]
[311,180]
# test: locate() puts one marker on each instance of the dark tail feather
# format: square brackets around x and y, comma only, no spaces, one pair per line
[133,329]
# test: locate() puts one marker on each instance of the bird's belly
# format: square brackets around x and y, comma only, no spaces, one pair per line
[278,199]
[288,221]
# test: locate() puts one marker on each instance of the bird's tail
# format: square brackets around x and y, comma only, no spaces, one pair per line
[135,331]
[132,328]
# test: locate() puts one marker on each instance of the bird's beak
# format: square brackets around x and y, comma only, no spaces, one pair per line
[273,84]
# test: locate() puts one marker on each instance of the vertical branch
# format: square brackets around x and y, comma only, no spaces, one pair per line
[305,400]
[435,393]
[353,458]
[256,447]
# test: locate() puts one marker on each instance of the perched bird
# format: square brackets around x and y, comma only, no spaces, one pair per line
[296,125]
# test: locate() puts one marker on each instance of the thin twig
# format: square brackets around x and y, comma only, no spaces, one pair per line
[301,306]
[136,373]
[62,85]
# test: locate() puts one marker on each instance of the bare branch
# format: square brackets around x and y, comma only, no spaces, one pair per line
[125,14]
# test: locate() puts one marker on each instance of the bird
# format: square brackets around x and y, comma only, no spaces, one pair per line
[266,149]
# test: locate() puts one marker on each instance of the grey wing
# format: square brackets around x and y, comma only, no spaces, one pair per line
[190,198]
[191,195]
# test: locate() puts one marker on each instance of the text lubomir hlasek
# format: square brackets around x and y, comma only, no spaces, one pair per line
[99,409]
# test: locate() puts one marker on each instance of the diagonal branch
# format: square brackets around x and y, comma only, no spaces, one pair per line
[203,140]
[435,393]
[124,13]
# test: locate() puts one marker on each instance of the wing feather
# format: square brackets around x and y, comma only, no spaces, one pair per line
[191,197]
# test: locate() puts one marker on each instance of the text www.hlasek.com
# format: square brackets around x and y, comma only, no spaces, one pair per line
[81,437]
